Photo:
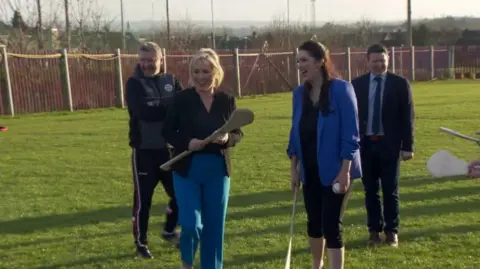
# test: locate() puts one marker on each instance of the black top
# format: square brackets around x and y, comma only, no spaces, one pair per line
[308,134]
[188,118]
[148,99]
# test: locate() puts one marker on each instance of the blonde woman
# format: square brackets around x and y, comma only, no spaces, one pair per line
[202,180]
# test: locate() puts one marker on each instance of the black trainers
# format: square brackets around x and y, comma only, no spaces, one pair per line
[144,252]
[172,238]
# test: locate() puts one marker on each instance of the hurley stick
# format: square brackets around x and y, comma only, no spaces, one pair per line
[292,224]
[239,118]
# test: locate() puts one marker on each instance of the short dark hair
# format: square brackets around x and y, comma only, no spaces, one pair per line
[377,48]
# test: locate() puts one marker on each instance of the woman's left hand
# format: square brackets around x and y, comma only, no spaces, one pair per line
[343,178]
[221,139]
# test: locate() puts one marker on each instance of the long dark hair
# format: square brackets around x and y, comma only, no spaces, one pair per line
[319,52]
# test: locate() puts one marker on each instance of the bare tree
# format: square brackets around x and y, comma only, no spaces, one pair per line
[28,9]
[6,10]
[279,29]
[39,25]
[82,13]
[51,14]
[67,23]
[331,34]
[21,15]
[365,32]
[100,27]
[185,35]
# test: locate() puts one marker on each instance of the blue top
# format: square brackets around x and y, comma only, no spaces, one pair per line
[337,133]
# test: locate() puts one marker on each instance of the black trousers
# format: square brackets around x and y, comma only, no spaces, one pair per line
[146,175]
[380,168]
[324,209]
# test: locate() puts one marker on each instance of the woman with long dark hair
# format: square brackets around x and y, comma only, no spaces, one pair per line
[323,149]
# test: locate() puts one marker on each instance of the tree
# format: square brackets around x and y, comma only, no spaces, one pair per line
[39,25]
[421,35]
[18,22]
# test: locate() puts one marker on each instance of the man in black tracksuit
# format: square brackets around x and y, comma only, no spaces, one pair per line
[150,92]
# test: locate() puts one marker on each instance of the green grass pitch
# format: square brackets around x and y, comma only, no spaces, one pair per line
[66,189]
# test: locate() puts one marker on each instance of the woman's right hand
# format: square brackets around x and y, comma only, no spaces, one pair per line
[196,144]
[474,169]
[295,177]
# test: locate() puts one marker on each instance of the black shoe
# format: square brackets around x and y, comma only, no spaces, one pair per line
[374,239]
[144,252]
[391,239]
[173,238]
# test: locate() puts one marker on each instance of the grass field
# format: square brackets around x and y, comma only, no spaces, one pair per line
[66,185]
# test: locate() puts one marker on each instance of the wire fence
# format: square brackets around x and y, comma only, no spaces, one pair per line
[58,81]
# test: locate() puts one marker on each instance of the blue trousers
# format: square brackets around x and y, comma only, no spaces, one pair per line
[202,200]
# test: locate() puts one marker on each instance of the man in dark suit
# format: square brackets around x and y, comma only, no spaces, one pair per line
[386,117]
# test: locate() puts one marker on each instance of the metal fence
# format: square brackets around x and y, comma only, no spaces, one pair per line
[56,81]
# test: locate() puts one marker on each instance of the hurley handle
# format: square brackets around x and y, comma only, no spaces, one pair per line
[240,117]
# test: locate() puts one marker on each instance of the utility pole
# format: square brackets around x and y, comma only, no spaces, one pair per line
[153,21]
[288,13]
[409,23]
[168,24]
[288,24]
[67,24]
[122,18]
[39,25]
[213,25]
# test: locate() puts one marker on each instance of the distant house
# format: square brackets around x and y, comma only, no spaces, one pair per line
[393,39]
[469,38]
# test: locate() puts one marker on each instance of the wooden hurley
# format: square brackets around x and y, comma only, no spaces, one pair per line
[445,164]
[458,134]
[288,259]
[239,118]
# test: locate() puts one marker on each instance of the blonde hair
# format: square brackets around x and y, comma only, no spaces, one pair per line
[211,57]
[151,47]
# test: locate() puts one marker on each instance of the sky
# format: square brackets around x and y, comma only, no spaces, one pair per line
[265,10]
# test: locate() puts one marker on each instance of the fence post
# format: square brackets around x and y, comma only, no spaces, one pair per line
[65,77]
[297,71]
[432,62]
[119,101]
[7,91]
[164,52]
[349,64]
[412,63]
[393,59]
[451,61]
[289,66]
[236,64]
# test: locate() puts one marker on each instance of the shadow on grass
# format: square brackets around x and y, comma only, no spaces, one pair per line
[258,198]
[84,262]
[246,259]
[357,202]
[283,117]
[421,181]
[254,258]
[413,235]
[56,240]
[51,222]
[121,213]
[436,194]
[359,218]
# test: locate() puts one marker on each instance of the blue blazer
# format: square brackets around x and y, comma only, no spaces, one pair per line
[337,133]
